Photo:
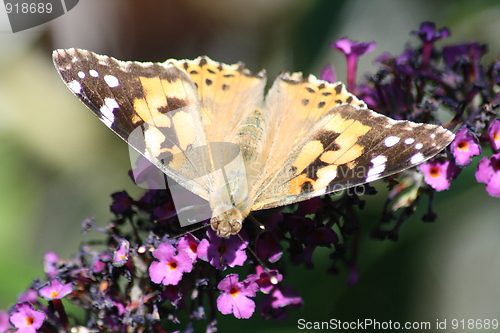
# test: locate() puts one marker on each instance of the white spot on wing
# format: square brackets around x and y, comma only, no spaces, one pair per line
[146,64]
[81,75]
[107,111]
[391,141]
[75,86]
[93,73]
[409,141]
[417,158]
[378,160]
[378,167]
[418,146]
[111,81]
[125,66]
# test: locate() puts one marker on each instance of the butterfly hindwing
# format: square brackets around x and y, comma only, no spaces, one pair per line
[227,94]
[231,99]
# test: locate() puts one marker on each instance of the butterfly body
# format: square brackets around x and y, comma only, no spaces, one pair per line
[209,127]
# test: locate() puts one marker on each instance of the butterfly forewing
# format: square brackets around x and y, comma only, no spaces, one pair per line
[294,104]
[347,146]
[152,106]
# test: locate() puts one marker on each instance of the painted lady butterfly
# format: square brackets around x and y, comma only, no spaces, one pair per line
[305,138]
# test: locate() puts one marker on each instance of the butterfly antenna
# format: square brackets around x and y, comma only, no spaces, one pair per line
[191,231]
[254,220]
[183,233]
[253,253]
[166,217]
[262,228]
[176,212]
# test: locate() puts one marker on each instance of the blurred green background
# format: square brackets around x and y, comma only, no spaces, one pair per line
[59,164]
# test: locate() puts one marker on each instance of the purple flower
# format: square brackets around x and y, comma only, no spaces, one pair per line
[146,172]
[267,243]
[275,305]
[467,58]
[384,59]
[468,53]
[30,295]
[405,58]
[429,34]
[352,51]
[321,236]
[488,172]
[148,199]
[50,260]
[235,297]
[120,307]
[4,321]
[55,290]
[222,252]
[170,266]
[189,244]
[328,74]
[370,97]
[494,134]
[464,146]
[299,226]
[100,262]
[351,48]
[438,174]
[310,206]
[266,280]
[268,247]
[122,203]
[120,256]
[166,211]
[172,293]
[300,254]
[26,319]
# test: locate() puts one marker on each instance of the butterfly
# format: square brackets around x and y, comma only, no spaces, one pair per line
[210,127]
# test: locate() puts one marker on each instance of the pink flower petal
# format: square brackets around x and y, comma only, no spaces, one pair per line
[493,186]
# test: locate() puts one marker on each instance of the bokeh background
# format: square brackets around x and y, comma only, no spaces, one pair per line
[59,164]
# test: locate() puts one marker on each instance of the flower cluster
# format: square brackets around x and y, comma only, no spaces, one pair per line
[139,276]
[146,273]
[415,86]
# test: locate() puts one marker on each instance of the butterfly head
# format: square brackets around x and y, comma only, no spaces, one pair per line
[227,223]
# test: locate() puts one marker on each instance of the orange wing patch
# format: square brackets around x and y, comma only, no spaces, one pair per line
[227,93]
[316,96]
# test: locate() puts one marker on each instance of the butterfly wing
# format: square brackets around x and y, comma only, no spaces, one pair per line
[227,94]
[346,145]
[293,105]
[231,99]
[152,106]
